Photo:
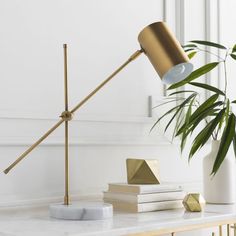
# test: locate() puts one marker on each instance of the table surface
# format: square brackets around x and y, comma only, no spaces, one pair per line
[29,221]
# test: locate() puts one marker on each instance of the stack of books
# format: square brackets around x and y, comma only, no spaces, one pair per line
[144,197]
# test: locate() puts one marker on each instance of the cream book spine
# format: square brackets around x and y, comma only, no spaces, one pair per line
[141,198]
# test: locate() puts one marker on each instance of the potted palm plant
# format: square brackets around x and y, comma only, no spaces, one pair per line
[213,119]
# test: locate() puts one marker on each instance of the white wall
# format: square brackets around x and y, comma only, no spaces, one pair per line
[101,35]
[33,32]
[114,124]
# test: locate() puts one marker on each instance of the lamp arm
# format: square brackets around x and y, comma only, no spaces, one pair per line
[64,118]
[131,58]
[23,155]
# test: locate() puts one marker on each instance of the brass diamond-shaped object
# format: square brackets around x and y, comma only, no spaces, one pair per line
[194,202]
[141,171]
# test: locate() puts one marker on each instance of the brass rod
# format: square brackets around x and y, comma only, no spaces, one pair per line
[234,229]
[212,234]
[65,77]
[132,57]
[228,229]
[33,146]
[66,197]
[173,234]
[220,230]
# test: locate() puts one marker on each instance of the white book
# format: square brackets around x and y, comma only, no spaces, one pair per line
[145,207]
[142,188]
[141,198]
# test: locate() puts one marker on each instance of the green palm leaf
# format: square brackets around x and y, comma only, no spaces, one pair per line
[205,134]
[194,122]
[164,103]
[182,91]
[200,138]
[189,49]
[227,111]
[226,140]
[181,106]
[234,48]
[202,117]
[179,122]
[189,46]
[167,113]
[233,56]
[234,145]
[206,105]
[208,43]
[192,54]
[195,74]
[186,132]
[208,87]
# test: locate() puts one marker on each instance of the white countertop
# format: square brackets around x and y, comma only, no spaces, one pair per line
[24,221]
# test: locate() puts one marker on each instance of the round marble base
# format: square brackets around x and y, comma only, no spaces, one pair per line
[81,211]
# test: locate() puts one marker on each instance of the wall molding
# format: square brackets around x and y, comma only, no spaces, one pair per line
[212,33]
[82,118]
[180,20]
[33,201]
[101,130]
[219,24]
[109,129]
[45,201]
[54,116]
[88,141]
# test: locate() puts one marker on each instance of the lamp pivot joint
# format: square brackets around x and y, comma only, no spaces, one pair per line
[135,55]
[66,115]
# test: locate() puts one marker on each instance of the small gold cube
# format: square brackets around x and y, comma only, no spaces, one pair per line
[194,202]
[140,171]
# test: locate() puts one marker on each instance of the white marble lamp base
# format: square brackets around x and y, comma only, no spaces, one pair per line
[81,211]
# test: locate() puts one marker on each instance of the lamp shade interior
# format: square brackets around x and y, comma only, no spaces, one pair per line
[177,73]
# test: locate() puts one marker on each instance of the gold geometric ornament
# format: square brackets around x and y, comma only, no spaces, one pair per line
[194,202]
[140,171]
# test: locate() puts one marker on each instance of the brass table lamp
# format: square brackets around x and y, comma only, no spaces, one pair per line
[170,62]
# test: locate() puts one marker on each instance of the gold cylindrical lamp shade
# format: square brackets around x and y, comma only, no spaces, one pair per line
[165,53]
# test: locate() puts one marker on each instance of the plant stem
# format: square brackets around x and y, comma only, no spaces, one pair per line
[203,50]
[174,100]
[217,132]
[226,83]
[225,75]
[225,89]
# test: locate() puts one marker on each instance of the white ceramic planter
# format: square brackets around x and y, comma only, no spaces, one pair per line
[221,188]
